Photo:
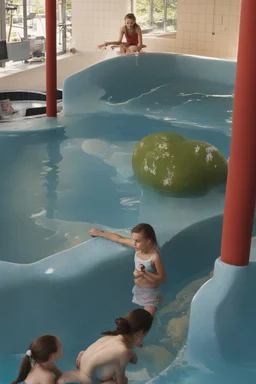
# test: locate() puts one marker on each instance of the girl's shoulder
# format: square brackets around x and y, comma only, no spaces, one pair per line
[137,27]
[156,255]
[125,353]
[44,375]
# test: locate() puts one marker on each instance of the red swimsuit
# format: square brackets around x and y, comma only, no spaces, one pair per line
[132,39]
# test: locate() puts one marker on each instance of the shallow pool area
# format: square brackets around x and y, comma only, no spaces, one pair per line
[61,177]
[59,182]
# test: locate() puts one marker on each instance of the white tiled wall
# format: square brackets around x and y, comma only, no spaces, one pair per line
[208,27]
[96,21]
[205,27]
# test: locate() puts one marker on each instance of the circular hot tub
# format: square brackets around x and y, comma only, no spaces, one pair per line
[21,104]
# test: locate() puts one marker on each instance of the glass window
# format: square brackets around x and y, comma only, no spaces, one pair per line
[155,15]
[26,19]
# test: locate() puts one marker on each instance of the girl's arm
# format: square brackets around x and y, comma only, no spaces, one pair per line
[94,232]
[160,277]
[114,42]
[124,359]
[75,376]
[140,43]
[78,359]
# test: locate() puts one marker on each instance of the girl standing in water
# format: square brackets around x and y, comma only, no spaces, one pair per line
[149,270]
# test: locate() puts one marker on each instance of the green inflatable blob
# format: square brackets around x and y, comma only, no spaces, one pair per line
[171,163]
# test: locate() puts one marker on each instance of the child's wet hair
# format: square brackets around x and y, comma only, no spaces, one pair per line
[41,350]
[135,321]
[147,231]
[130,16]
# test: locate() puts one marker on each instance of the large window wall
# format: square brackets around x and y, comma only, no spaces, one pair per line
[25,19]
[155,15]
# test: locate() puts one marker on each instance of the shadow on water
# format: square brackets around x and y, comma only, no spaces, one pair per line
[49,178]
[29,178]
[118,127]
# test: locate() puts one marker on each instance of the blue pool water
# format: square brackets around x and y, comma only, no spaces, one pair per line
[56,184]
[61,177]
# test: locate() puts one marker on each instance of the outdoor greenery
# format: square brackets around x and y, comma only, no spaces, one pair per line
[68,6]
[143,14]
[37,6]
[14,14]
[8,6]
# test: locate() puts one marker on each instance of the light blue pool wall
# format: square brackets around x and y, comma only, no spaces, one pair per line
[223,318]
[135,75]
[222,307]
[90,285]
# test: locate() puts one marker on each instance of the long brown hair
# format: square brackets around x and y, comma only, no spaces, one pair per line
[40,350]
[148,232]
[135,321]
[132,17]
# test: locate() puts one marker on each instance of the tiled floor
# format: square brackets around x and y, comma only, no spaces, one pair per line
[12,68]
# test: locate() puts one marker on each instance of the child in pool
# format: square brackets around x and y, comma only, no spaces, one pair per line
[149,270]
[38,365]
[132,32]
[105,360]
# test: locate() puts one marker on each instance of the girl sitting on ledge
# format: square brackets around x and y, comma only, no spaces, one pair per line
[132,32]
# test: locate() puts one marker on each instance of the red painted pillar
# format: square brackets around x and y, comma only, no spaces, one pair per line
[241,183]
[51,61]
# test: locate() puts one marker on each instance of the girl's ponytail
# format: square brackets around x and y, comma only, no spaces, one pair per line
[135,321]
[122,328]
[40,350]
[25,368]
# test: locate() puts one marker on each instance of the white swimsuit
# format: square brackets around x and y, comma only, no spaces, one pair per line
[146,263]
[145,297]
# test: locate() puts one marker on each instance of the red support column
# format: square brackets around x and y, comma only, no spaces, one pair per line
[241,183]
[51,61]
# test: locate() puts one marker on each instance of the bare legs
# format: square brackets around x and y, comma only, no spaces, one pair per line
[126,48]
[132,49]
[123,48]
[151,309]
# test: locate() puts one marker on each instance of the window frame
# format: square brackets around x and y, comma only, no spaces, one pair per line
[62,26]
[151,18]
